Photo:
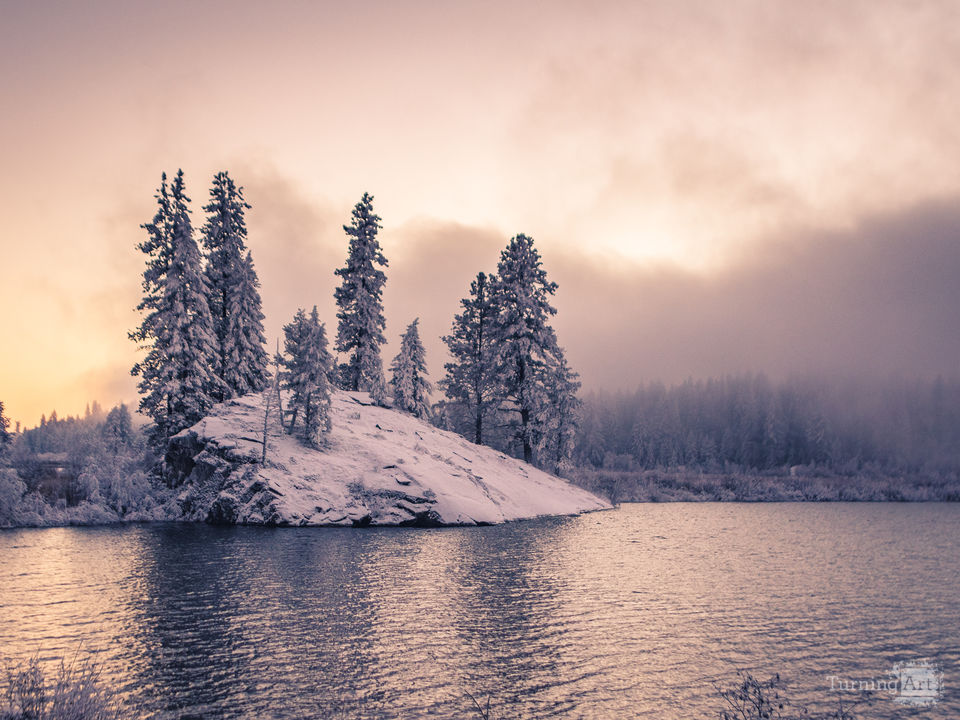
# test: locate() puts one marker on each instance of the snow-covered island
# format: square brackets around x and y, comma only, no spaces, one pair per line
[379,467]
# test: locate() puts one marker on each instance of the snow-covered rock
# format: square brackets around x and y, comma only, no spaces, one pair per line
[381,467]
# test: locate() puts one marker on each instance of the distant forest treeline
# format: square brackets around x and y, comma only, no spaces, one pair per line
[748,424]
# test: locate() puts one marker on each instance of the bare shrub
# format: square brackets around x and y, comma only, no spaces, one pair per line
[75,693]
[752,699]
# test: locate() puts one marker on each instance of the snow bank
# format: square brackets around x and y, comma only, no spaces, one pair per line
[381,467]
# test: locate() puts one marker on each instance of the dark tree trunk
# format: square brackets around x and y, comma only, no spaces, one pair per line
[223,352]
[524,410]
[527,450]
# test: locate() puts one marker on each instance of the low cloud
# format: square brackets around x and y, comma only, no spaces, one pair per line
[879,298]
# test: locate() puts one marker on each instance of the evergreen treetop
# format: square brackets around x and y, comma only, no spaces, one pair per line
[234,297]
[522,295]
[158,249]
[526,343]
[360,303]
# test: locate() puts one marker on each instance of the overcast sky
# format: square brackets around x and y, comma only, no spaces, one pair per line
[716,186]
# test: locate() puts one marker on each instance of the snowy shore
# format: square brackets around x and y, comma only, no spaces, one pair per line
[381,467]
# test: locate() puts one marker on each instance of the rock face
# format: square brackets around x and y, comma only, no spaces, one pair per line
[381,467]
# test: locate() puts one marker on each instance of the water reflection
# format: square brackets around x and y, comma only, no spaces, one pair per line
[508,610]
[615,614]
[181,631]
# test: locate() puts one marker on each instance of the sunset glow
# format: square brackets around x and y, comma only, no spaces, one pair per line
[665,156]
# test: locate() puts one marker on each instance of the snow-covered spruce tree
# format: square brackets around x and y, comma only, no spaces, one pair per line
[307,366]
[359,299]
[296,336]
[526,344]
[192,386]
[411,389]
[235,305]
[151,335]
[177,385]
[559,418]
[316,408]
[245,368]
[472,380]
[117,430]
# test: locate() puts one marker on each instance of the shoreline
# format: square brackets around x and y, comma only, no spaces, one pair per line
[620,486]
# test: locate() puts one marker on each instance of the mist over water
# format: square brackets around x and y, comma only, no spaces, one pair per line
[634,612]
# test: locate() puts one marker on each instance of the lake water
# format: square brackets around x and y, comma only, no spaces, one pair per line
[637,612]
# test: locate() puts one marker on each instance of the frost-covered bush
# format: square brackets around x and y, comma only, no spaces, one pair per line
[83,487]
[80,471]
[77,692]
[32,510]
[12,489]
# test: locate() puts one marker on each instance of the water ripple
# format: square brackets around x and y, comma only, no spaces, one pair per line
[633,613]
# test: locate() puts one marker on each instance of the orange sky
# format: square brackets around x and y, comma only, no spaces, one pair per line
[638,142]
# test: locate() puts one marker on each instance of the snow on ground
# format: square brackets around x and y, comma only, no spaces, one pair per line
[381,467]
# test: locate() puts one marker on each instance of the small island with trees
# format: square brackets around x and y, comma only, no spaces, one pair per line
[321,435]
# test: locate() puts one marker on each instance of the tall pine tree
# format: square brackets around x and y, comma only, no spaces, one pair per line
[307,366]
[411,389]
[190,382]
[151,334]
[235,305]
[176,384]
[360,303]
[472,380]
[526,343]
